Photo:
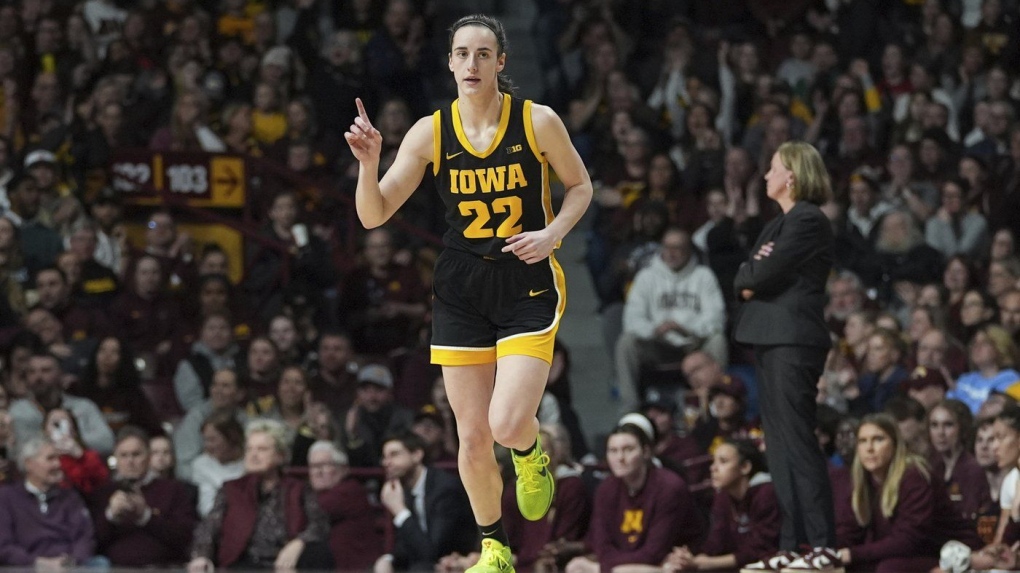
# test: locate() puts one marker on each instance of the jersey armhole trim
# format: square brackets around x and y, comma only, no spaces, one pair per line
[437,142]
[529,132]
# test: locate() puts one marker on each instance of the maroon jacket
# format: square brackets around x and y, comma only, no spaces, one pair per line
[748,528]
[923,520]
[679,449]
[163,541]
[967,485]
[80,323]
[642,528]
[242,500]
[144,323]
[567,519]
[355,538]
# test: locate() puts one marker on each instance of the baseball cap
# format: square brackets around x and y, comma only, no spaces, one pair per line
[655,398]
[40,156]
[106,195]
[730,386]
[922,378]
[428,412]
[375,374]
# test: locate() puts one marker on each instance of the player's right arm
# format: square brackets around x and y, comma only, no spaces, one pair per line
[376,200]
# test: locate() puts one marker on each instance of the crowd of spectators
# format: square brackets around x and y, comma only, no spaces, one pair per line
[149,402]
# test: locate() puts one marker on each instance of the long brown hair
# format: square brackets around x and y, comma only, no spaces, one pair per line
[860,498]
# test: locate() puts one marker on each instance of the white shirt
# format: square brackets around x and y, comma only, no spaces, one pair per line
[1007,492]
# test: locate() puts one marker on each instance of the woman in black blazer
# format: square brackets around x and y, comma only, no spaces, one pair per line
[782,287]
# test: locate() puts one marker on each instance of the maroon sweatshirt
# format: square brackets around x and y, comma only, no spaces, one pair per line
[355,538]
[163,541]
[567,519]
[748,528]
[923,520]
[143,323]
[642,528]
[967,485]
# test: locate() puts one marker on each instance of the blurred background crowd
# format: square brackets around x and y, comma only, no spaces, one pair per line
[159,341]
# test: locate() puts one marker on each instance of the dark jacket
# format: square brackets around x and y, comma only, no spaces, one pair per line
[355,538]
[162,541]
[448,517]
[789,285]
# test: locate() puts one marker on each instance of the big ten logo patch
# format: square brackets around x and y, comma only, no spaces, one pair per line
[514,148]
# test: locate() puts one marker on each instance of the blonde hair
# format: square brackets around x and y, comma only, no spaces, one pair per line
[1005,348]
[275,430]
[811,179]
[860,498]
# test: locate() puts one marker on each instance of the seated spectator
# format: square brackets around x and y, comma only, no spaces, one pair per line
[142,520]
[373,416]
[354,536]
[383,302]
[264,519]
[1006,432]
[640,511]
[222,457]
[73,354]
[993,357]
[440,438]
[674,307]
[429,507]
[928,387]
[54,291]
[910,420]
[225,394]
[977,308]
[902,255]
[288,405]
[898,516]
[745,516]
[144,314]
[727,416]
[98,284]
[111,380]
[186,130]
[951,432]
[40,244]
[1009,313]
[215,349]
[261,372]
[46,394]
[672,448]
[937,351]
[955,230]
[41,523]
[307,259]
[84,469]
[333,377]
[1003,276]
[987,460]
[883,373]
[161,456]
[171,247]
[284,334]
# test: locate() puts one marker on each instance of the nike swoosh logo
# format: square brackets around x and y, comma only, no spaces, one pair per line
[452,155]
[536,293]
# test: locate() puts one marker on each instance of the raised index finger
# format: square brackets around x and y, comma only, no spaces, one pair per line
[361,110]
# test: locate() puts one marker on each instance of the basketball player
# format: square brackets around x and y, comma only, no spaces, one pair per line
[499,293]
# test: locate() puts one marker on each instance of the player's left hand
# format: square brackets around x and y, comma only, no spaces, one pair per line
[531,246]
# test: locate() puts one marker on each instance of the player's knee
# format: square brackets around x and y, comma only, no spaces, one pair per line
[476,442]
[506,427]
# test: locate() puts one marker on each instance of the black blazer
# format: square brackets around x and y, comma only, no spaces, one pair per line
[789,285]
[450,522]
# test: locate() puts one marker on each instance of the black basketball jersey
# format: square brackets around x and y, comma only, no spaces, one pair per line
[495,193]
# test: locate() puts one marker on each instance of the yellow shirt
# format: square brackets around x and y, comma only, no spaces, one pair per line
[267,127]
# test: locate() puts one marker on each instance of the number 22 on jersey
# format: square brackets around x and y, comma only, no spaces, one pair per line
[479,227]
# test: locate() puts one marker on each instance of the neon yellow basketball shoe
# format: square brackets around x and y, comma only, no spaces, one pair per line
[496,558]
[535,483]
